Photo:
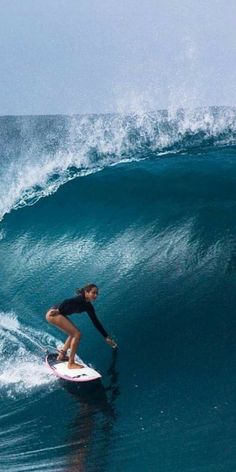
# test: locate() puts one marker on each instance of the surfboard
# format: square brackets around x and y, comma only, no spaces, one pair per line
[60,369]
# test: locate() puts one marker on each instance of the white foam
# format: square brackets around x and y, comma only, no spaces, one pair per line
[22,366]
[94,142]
[9,321]
[24,375]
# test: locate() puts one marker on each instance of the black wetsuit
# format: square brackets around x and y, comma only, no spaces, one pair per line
[78,304]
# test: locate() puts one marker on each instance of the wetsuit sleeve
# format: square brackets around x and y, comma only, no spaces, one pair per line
[93,317]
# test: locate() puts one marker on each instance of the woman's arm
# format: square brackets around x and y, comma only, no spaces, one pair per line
[98,325]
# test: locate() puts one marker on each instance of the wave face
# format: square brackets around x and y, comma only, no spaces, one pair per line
[157,234]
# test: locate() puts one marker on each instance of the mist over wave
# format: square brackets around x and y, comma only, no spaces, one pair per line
[40,153]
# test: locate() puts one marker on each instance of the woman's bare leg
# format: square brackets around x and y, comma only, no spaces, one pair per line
[73,348]
[54,317]
[67,344]
[64,349]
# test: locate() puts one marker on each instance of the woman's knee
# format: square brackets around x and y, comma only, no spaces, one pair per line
[77,335]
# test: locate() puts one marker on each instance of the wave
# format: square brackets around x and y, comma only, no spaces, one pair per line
[39,154]
[22,368]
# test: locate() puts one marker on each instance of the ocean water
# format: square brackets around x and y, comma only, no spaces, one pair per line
[144,206]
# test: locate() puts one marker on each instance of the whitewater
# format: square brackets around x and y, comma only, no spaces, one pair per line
[144,206]
[38,154]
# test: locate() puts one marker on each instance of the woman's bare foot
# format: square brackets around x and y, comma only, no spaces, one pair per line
[74,365]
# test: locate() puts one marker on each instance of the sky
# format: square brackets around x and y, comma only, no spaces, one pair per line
[99,56]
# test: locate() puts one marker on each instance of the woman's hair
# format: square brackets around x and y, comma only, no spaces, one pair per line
[86,288]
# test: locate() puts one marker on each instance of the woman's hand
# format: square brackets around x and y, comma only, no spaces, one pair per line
[111,342]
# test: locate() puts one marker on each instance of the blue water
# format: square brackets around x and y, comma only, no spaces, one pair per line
[144,206]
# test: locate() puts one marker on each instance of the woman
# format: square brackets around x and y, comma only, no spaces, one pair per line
[58,314]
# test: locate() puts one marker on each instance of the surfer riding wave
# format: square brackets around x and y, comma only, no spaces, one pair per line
[57,315]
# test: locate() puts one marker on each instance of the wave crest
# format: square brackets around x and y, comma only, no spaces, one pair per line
[39,154]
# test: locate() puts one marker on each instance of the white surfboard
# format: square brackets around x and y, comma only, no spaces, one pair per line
[60,369]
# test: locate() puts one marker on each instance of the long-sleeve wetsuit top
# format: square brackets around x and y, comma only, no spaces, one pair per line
[78,304]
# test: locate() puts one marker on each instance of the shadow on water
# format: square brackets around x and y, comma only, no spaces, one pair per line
[90,432]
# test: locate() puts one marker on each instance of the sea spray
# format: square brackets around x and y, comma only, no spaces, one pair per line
[21,348]
[39,154]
